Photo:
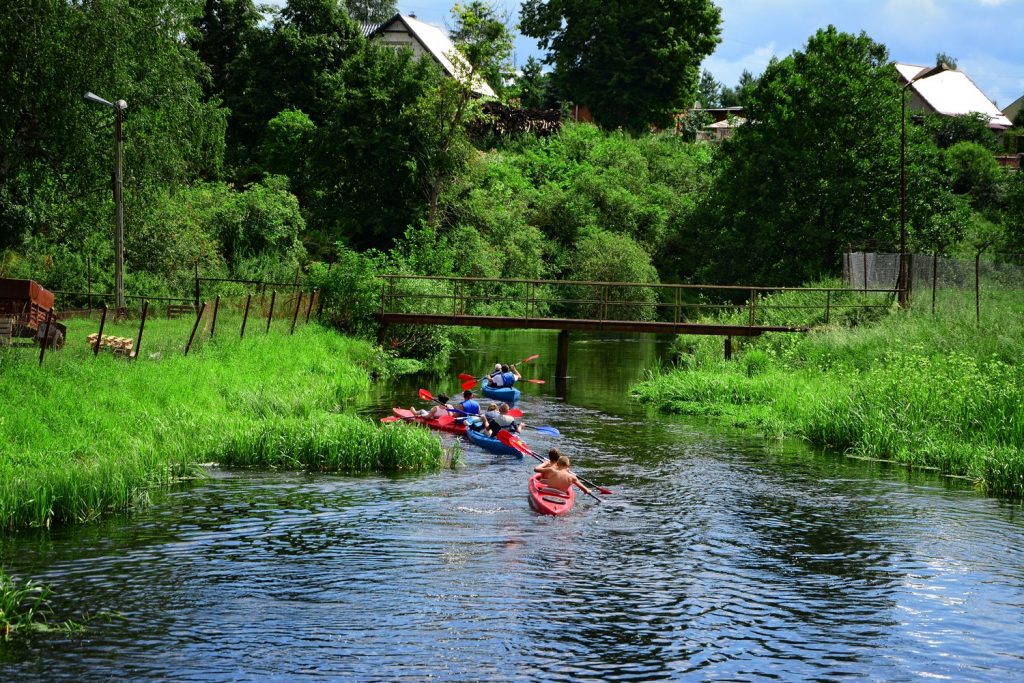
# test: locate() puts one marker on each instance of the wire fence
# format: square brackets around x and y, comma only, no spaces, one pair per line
[940,282]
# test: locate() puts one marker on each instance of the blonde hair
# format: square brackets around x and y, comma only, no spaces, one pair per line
[563,462]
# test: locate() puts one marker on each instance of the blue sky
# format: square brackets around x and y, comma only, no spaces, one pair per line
[985,36]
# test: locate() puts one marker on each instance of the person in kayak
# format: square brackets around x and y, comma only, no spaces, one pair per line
[436,411]
[509,375]
[553,455]
[495,379]
[561,477]
[502,421]
[492,411]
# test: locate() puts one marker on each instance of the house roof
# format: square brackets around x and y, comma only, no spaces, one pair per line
[438,44]
[952,93]
[1011,109]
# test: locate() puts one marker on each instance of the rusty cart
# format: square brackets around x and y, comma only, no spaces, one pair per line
[24,308]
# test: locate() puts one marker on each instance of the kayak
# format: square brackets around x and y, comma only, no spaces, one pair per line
[507,395]
[456,427]
[489,444]
[547,500]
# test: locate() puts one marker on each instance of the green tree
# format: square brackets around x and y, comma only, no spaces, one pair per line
[708,90]
[973,171]
[371,11]
[633,64]
[816,169]
[534,86]
[740,95]
[943,58]
[950,130]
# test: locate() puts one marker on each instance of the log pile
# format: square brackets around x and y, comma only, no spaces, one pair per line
[115,344]
[503,121]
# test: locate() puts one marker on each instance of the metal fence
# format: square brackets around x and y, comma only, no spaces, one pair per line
[940,282]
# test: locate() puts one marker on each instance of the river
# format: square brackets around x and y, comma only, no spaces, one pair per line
[718,556]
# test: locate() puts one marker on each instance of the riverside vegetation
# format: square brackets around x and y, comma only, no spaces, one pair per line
[81,435]
[925,391]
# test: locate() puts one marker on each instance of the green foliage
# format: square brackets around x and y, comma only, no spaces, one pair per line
[826,134]
[973,171]
[603,256]
[101,451]
[533,86]
[24,606]
[947,131]
[921,390]
[632,64]
[350,292]
[287,146]
[371,11]
[740,95]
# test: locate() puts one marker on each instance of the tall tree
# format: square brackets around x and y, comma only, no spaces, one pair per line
[633,64]
[709,90]
[535,86]
[371,11]
[817,167]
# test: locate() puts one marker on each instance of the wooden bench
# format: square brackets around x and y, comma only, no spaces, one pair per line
[174,310]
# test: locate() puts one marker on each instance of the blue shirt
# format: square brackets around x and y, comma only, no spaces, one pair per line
[471,407]
[508,379]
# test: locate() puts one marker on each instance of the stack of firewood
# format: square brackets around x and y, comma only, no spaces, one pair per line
[504,121]
[115,344]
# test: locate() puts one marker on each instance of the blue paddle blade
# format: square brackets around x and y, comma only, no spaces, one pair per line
[548,430]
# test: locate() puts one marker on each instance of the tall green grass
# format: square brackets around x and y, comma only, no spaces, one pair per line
[926,391]
[82,435]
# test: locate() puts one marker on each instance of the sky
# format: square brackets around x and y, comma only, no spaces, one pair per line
[986,37]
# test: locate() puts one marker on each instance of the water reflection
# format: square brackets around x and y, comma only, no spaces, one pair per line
[716,558]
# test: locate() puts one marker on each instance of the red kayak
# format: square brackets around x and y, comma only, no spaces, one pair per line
[409,416]
[547,500]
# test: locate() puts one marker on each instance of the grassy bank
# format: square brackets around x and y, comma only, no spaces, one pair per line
[83,435]
[925,391]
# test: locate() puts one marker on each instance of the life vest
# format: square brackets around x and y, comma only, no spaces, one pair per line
[508,379]
[471,407]
[496,379]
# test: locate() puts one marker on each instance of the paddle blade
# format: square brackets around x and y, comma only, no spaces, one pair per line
[465,378]
[604,490]
[515,412]
[513,441]
[469,384]
[445,420]
[426,395]
[535,381]
[403,413]
[527,360]
[390,418]
[548,430]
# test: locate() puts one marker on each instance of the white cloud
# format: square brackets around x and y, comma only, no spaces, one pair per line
[727,71]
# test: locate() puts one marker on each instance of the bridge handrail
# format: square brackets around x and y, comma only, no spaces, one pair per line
[651,285]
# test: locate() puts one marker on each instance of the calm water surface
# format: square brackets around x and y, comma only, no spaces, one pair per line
[718,557]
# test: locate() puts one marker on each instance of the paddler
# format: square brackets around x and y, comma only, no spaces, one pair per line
[561,477]
[553,455]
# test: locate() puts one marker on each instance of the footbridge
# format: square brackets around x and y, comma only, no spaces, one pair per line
[583,306]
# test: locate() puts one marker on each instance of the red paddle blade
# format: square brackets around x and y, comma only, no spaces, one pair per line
[403,413]
[390,418]
[527,360]
[535,381]
[469,384]
[515,412]
[604,490]
[510,439]
[426,395]
[445,420]
[465,378]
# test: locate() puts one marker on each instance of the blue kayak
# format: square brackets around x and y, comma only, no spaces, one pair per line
[488,444]
[507,395]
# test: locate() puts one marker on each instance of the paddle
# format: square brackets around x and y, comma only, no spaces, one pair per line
[390,418]
[544,429]
[510,439]
[469,381]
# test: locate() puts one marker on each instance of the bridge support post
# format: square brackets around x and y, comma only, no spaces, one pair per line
[382,333]
[562,363]
[728,348]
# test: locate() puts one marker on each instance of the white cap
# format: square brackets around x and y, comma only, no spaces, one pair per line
[497,367]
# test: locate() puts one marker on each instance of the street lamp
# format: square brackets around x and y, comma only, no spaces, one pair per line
[902,278]
[118,108]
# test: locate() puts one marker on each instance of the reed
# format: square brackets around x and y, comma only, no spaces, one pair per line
[84,435]
[24,606]
[926,391]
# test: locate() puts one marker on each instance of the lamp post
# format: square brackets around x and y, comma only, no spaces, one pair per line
[902,278]
[118,108]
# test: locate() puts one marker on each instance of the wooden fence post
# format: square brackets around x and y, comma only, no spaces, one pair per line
[46,335]
[309,308]
[216,307]
[191,337]
[142,326]
[99,335]
[245,316]
[295,316]
[273,297]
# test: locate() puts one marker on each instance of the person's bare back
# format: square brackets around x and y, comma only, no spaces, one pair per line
[561,478]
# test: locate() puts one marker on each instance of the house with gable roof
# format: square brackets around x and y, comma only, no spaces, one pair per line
[1014,108]
[950,93]
[426,41]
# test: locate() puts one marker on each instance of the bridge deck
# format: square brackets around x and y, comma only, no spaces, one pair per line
[578,325]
